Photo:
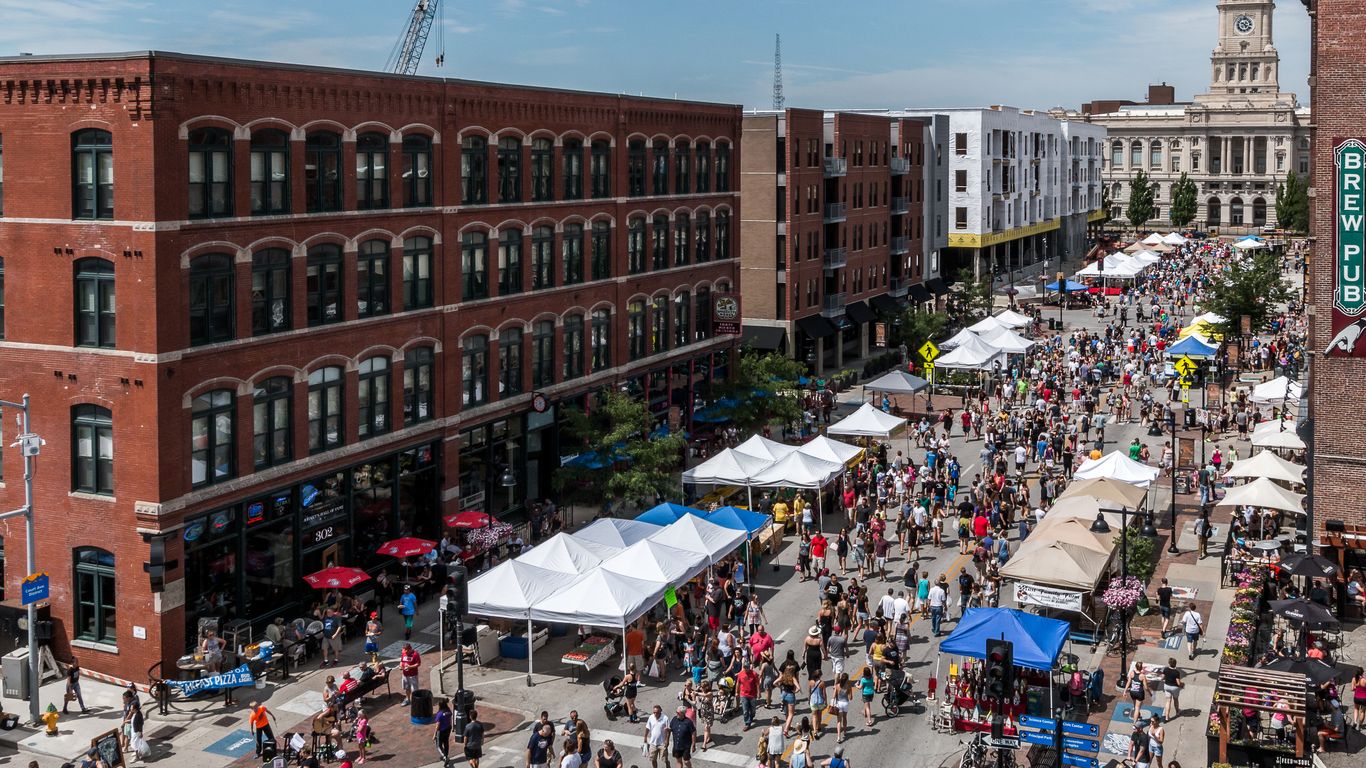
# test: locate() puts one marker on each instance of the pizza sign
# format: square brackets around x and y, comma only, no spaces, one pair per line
[725,314]
[1349,249]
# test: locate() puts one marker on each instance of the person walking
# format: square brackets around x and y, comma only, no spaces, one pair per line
[409,663]
[683,737]
[1172,685]
[657,736]
[407,605]
[1138,691]
[373,628]
[747,688]
[73,688]
[1164,605]
[938,600]
[474,740]
[332,632]
[442,737]
[1157,736]
[1194,627]
[540,748]
[260,726]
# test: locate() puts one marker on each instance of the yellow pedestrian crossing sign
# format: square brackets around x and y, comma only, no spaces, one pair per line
[1185,366]
[928,351]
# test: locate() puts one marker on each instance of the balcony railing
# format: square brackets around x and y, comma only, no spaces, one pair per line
[833,304]
[900,165]
[836,166]
[900,205]
[835,258]
[901,246]
[835,212]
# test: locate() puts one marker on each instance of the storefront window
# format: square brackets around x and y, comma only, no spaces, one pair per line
[273,586]
[373,503]
[211,572]
[418,500]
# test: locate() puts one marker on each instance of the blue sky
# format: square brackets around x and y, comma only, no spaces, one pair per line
[863,53]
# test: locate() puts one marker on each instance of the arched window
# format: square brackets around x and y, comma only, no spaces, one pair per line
[600,168]
[269,172]
[659,169]
[659,242]
[325,409]
[703,166]
[474,159]
[1258,212]
[372,171]
[682,229]
[372,279]
[94,303]
[509,362]
[92,173]
[93,589]
[417,170]
[92,449]
[474,265]
[1136,154]
[601,250]
[324,284]
[1235,212]
[601,342]
[571,253]
[270,291]
[722,234]
[510,170]
[1117,154]
[542,170]
[509,261]
[1155,155]
[372,397]
[571,158]
[1213,212]
[543,354]
[723,167]
[542,258]
[417,273]
[659,324]
[322,171]
[635,246]
[212,305]
[474,368]
[635,329]
[635,168]
[210,173]
[419,388]
[212,422]
[573,347]
[682,164]
[702,239]
[272,414]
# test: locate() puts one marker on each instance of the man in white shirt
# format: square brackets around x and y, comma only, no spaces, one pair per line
[656,735]
[900,607]
[1194,627]
[887,604]
[1021,453]
[938,599]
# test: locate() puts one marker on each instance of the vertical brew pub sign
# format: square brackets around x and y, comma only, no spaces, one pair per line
[1349,249]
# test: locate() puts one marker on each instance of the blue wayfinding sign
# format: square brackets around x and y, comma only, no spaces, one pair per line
[1037,738]
[1051,724]
[1080,729]
[34,589]
[1079,761]
[1083,745]
[1042,723]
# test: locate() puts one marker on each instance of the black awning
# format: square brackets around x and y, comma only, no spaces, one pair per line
[859,312]
[919,293]
[885,304]
[766,338]
[937,287]
[816,327]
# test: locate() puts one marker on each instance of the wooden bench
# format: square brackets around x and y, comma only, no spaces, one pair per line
[1082,636]
[362,689]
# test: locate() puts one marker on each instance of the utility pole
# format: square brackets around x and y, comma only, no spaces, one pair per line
[778,72]
[29,445]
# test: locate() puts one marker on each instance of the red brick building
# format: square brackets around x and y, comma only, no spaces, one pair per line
[834,232]
[346,303]
[1337,399]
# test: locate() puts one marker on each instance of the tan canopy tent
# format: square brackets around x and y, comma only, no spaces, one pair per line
[1084,508]
[1057,564]
[1106,489]
[1263,493]
[1071,530]
[1267,464]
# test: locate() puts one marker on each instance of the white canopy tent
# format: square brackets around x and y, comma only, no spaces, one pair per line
[1116,266]
[761,447]
[565,554]
[616,532]
[1264,493]
[729,466]
[973,355]
[1014,319]
[957,339]
[1009,341]
[1145,258]
[988,324]
[1153,239]
[601,599]
[1213,318]
[1249,244]
[656,561]
[1278,391]
[1117,466]
[694,534]
[867,421]
[1173,238]
[897,382]
[825,449]
[510,589]
[1278,439]
[1267,464]
[799,470]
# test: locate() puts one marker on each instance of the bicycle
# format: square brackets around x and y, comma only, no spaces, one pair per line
[974,753]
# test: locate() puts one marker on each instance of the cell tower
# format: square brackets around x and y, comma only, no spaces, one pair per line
[777,71]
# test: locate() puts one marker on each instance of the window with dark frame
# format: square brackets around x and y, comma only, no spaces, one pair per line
[211,299]
[372,171]
[723,167]
[92,450]
[722,235]
[372,396]
[635,246]
[269,172]
[474,160]
[682,230]
[702,317]
[702,238]
[417,273]
[419,387]
[325,402]
[635,168]
[682,164]
[682,322]
[509,362]
[94,303]
[92,174]
[542,170]
[213,421]
[474,370]
[703,163]
[210,173]
[322,172]
[417,170]
[542,258]
[272,413]
[474,265]
[571,159]
[323,285]
[600,248]
[659,242]
[571,253]
[509,170]
[573,347]
[372,279]
[635,330]
[543,354]
[660,168]
[659,325]
[600,168]
[601,341]
[509,261]
[270,291]
[94,609]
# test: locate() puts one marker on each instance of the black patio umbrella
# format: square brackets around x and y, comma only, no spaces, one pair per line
[1316,670]
[1303,611]
[1308,564]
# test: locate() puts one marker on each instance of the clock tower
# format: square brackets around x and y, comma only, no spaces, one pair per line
[1244,61]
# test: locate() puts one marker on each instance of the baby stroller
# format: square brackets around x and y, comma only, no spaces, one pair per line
[899,691]
[612,703]
[726,701]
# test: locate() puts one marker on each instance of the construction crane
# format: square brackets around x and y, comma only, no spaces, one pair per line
[407,53]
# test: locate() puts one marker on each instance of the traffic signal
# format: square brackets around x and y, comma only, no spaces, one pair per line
[460,590]
[1000,669]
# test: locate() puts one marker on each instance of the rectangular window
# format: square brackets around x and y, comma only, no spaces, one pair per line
[271,417]
[474,371]
[635,169]
[702,238]
[474,160]
[960,181]
[702,317]
[571,253]
[543,354]
[960,143]
[635,330]
[542,258]
[723,168]
[92,450]
[269,173]
[210,173]
[94,303]
[601,342]
[510,262]
[682,228]
[417,171]
[474,265]
[322,172]
[509,170]
[372,279]
[635,246]
[659,325]
[660,169]
[600,169]
[92,167]
[211,437]
[325,409]
[682,326]
[682,163]
[659,242]
[722,235]
[510,362]
[324,285]
[542,170]
[960,217]
[372,171]
[573,347]
[572,160]
[419,402]
[95,609]
[601,251]
[703,168]
[417,273]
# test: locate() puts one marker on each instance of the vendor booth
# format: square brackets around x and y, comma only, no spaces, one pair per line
[1117,466]
[1037,642]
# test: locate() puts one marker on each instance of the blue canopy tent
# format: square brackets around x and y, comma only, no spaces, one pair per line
[740,520]
[667,514]
[1037,639]
[1192,347]
[1067,285]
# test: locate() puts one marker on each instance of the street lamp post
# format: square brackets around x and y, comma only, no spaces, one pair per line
[1102,527]
[1175,410]
[29,445]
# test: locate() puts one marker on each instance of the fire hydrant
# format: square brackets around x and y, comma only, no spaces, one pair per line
[50,718]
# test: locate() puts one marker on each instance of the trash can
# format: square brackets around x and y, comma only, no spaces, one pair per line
[423,711]
[15,668]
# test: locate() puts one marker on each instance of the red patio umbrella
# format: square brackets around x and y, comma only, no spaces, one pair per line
[336,577]
[467,520]
[407,546]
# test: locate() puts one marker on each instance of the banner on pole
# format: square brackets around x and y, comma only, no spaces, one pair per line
[1048,597]
[236,678]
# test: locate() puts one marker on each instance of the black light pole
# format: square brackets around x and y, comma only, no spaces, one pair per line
[1102,527]
[1171,545]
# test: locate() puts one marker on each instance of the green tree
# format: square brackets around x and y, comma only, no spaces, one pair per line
[1140,208]
[1140,548]
[1183,202]
[764,390]
[1292,203]
[1251,286]
[1106,205]
[623,460]
[915,328]
[971,298]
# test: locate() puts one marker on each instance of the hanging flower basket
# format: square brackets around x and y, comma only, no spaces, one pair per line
[1122,594]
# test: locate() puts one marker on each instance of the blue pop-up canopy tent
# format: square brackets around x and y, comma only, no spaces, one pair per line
[738,519]
[668,514]
[1037,639]
[1192,347]
[1068,285]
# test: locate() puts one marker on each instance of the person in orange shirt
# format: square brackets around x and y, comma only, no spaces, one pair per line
[635,647]
[260,726]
